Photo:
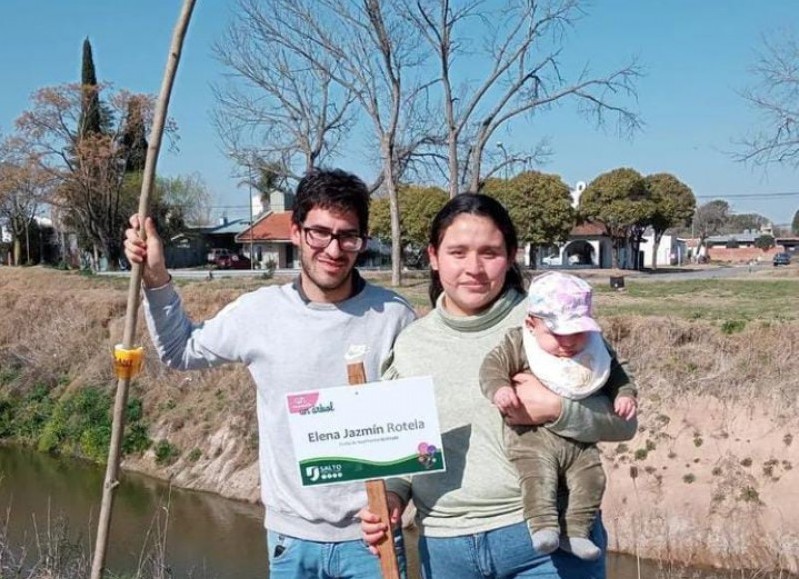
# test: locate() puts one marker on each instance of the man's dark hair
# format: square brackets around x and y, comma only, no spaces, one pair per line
[332,189]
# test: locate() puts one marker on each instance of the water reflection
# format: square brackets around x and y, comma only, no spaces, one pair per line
[208,537]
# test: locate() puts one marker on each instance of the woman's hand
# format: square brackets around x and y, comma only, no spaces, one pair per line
[373,530]
[539,404]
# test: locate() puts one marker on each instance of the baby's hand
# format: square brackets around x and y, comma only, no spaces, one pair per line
[625,407]
[505,399]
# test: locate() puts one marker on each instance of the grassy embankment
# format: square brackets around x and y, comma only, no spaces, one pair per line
[716,360]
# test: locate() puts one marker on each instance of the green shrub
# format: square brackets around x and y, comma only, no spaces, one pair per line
[732,326]
[7,412]
[31,415]
[79,424]
[768,467]
[749,495]
[135,410]
[95,441]
[136,439]
[195,455]
[9,374]
[166,453]
[764,241]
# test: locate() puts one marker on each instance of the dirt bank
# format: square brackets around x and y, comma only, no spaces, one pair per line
[711,478]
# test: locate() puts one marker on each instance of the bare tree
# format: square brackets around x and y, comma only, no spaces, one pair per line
[369,50]
[708,220]
[24,188]
[186,194]
[523,43]
[93,193]
[775,95]
[278,106]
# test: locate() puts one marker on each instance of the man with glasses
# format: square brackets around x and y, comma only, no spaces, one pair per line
[292,337]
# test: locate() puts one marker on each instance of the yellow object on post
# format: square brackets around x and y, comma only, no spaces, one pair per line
[128,363]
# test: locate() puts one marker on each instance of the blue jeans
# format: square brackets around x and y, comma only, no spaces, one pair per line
[505,553]
[292,558]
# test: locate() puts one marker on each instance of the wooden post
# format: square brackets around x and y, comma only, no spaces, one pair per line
[378,500]
[129,332]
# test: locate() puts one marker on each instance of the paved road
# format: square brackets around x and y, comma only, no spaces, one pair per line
[665,274]
[710,272]
[199,274]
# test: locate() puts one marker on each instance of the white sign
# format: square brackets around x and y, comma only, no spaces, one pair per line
[367,431]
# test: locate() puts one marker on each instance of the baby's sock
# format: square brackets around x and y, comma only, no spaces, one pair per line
[581,548]
[545,541]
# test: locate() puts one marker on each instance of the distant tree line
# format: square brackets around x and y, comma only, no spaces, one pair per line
[624,202]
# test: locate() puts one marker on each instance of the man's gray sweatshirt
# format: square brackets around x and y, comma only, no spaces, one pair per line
[288,344]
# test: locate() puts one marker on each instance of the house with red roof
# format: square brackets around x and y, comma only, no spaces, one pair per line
[268,241]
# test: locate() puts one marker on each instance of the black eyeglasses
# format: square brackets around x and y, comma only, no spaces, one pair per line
[321,238]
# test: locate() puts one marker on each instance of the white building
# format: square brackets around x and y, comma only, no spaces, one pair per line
[672,250]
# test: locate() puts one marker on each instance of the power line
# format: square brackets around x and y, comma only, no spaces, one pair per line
[751,195]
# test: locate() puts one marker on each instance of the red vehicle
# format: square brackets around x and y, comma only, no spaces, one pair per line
[218,252]
[233,261]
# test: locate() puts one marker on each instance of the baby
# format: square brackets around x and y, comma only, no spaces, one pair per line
[562,345]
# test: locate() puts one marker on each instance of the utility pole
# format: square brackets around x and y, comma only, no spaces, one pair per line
[249,192]
[240,159]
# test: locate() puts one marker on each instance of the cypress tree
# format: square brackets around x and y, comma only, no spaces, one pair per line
[90,114]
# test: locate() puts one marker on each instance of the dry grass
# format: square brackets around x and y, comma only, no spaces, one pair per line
[758,362]
[732,342]
[54,554]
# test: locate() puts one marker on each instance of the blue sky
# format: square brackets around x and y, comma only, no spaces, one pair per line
[696,56]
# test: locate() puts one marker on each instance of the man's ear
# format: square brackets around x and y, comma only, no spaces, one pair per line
[296,234]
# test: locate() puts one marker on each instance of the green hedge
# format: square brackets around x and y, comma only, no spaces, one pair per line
[77,424]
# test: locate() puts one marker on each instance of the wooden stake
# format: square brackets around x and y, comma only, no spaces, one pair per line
[129,334]
[378,500]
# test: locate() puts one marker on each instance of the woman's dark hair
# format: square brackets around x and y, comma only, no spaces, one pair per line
[332,189]
[481,206]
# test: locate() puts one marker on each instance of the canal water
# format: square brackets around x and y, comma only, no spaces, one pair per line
[205,536]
